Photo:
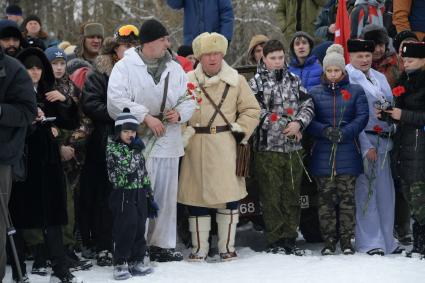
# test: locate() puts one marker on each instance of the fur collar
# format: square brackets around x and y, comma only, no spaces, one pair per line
[104,64]
[227,74]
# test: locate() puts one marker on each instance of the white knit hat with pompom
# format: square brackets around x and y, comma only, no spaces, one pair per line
[334,57]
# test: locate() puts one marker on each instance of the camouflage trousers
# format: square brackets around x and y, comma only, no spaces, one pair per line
[339,191]
[415,194]
[279,192]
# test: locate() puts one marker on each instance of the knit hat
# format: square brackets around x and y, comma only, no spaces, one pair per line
[126,121]
[152,30]
[127,34]
[32,61]
[401,36]
[31,18]
[334,57]
[93,29]
[185,50]
[53,53]
[413,50]
[209,42]
[299,34]
[14,10]
[9,28]
[360,45]
[376,33]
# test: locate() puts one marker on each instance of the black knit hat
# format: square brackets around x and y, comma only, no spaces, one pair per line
[152,30]
[403,35]
[185,50]
[376,33]
[14,10]
[126,121]
[360,45]
[413,50]
[31,18]
[9,28]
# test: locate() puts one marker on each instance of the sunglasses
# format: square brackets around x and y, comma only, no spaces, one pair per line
[127,30]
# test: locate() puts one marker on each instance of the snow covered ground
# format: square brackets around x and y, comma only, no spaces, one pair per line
[254,266]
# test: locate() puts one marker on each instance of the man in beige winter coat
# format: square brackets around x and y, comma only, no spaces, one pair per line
[208,174]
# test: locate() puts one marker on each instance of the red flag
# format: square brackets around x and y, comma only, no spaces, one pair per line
[342,27]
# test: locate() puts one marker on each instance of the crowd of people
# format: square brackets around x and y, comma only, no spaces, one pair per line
[109,144]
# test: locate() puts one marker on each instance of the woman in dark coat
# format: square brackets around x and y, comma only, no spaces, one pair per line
[95,217]
[341,114]
[39,202]
[409,140]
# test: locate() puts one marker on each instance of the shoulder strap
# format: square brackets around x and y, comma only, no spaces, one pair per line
[164,96]
[217,107]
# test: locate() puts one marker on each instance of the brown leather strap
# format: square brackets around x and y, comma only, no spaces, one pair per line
[217,107]
[164,98]
[211,130]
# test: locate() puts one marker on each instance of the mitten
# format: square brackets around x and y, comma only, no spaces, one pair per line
[137,143]
[333,134]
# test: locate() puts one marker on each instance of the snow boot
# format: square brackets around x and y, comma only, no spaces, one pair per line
[418,241]
[64,277]
[199,227]
[290,247]
[138,268]
[121,271]
[329,248]
[40,266]
[164,255]
[377,251]
[227,221]
[346,246]
[104,258]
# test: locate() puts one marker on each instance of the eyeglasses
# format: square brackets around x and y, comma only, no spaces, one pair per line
[127,30]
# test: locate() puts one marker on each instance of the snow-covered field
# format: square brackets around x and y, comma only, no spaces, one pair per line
[260,267]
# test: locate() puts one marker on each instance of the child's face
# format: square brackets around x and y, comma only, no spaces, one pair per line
[126,136]
[59,67]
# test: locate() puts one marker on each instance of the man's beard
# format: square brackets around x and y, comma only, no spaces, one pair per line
[11,51]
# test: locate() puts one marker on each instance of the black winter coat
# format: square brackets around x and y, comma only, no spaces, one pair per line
[40,200]
[409,141]
[17,109]
[93,103]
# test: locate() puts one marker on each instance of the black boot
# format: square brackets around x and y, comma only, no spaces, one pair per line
[164,255]
[290,247]
[40,266]
[418,241]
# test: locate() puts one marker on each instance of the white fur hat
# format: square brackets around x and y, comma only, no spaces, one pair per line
[334,57]
[208,43]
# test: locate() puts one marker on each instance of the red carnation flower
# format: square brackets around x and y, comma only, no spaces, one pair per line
[274,117]
[377,129]
[190,86]
[346,95]
[193,97]
[398,91]
[199,100]
[290,111]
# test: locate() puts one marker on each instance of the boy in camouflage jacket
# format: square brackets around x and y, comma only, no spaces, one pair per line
[131,199]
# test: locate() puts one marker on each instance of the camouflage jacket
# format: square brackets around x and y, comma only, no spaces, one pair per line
[277,92]
[126,166]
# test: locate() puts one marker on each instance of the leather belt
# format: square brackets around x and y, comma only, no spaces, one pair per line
[384,135]
[211,130]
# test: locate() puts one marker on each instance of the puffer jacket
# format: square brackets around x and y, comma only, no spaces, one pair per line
[310,72]
[330,108]
[409,140]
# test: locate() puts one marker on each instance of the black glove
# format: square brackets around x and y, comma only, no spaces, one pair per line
[137,143]
[152,206]
[333,134]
